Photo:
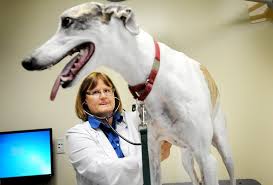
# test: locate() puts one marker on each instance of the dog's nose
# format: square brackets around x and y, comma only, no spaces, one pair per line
[29,63]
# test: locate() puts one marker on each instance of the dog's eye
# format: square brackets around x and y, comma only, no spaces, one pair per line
[66,22]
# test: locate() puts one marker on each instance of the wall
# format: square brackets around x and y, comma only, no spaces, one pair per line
[214,32]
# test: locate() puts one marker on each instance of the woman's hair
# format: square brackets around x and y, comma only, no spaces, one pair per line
[89,83]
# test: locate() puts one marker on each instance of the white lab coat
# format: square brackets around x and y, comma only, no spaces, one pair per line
[96,162]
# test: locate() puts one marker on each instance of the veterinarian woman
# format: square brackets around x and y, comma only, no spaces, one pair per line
[97,154]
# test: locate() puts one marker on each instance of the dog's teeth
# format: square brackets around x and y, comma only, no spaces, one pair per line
[72,51]
[82,51]
[67,78]
[64,79]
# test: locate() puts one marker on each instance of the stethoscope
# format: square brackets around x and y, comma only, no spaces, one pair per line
[106,118]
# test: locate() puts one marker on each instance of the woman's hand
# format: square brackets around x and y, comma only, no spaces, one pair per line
[165,150]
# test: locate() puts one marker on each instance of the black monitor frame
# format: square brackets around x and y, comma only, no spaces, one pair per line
[32,177]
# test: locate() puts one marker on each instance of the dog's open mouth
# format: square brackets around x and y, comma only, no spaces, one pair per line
[69,72]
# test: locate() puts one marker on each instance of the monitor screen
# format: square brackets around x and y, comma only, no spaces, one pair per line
[26,153]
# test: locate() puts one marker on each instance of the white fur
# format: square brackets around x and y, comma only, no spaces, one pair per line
[179,103]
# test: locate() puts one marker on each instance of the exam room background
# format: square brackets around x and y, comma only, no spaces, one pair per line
[216,33]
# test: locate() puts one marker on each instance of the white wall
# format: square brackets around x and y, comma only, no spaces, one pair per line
[214,32]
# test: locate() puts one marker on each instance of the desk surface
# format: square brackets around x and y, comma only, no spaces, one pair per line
[224,182]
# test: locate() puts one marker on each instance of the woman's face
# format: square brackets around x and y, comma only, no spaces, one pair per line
[100,100]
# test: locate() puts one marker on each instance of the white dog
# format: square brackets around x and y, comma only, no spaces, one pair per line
[183,103]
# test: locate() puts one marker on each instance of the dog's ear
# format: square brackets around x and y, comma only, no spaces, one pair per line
[128,18]
[125,14]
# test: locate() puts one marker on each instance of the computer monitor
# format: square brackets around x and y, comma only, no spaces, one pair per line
[26,153]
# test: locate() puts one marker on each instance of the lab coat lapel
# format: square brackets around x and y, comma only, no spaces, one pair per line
[122,129]
[133,134]
[106,145]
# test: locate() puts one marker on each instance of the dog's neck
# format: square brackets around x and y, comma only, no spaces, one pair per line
[139,60]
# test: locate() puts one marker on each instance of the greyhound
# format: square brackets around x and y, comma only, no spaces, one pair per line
[184,103]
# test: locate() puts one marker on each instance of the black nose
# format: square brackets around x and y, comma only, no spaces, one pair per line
[29,63]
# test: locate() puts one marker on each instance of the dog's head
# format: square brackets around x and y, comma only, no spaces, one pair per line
[92,33]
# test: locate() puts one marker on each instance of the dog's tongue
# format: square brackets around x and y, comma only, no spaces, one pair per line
[65,73]
[55,88]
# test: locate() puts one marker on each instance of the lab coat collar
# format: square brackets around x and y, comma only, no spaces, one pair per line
[95,122]
[122,128]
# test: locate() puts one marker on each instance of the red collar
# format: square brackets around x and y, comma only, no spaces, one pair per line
[141,91]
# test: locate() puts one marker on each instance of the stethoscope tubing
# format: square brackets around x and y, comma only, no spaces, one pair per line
[105,124]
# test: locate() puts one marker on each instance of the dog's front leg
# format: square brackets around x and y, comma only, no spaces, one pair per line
[154,156]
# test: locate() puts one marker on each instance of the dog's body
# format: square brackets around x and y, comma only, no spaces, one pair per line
[184,101]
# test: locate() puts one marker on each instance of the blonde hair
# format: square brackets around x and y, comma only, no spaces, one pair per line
[89,83]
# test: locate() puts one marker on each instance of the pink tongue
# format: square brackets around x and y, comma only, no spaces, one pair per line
[57,83]
[66,71]
[55,88]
